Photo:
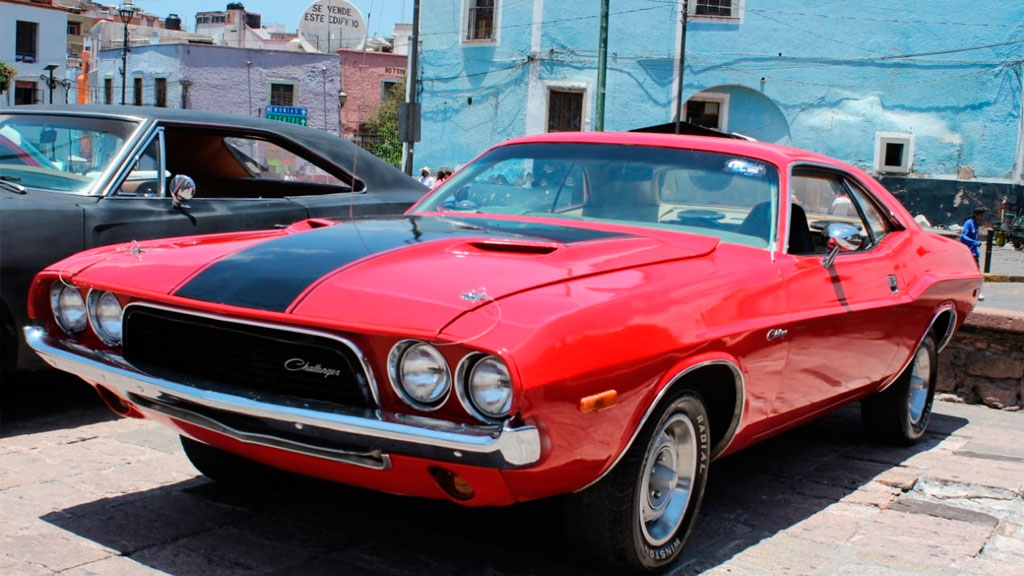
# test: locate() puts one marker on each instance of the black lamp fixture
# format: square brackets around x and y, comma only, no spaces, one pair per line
[50,68]
[341,98]
[125,12]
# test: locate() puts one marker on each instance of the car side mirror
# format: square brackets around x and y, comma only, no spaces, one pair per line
[841,237]
[183,189]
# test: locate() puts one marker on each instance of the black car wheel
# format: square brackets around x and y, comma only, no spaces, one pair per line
[900,414]
[639,516]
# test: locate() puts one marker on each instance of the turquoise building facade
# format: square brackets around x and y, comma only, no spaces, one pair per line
[925,94]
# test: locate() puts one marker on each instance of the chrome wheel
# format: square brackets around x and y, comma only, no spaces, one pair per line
[918,388]
[670,467]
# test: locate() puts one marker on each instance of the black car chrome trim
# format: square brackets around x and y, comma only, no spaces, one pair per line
[727,438]
[273,274]
[365,364]
[485,446]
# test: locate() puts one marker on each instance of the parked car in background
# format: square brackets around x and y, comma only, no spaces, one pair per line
[75,177]
[595,315]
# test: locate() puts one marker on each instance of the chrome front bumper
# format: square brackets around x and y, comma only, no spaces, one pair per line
[361,437]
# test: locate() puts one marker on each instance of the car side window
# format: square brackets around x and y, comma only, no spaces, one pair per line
[143,180]
[826,197]
[268,161]
[878,224]
[246,166]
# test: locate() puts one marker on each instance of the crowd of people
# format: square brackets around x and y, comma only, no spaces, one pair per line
[428,179]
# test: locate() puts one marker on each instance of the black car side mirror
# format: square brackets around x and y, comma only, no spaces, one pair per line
[183,189]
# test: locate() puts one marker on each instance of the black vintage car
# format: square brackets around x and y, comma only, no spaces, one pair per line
[74,177]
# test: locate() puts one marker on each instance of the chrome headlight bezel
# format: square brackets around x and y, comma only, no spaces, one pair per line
[410,351]
[107,327]
[466,375]
[61,308]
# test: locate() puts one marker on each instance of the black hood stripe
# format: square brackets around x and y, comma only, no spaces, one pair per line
[271,275]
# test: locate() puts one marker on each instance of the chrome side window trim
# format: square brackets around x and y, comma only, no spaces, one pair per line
[727,438]
[363,361]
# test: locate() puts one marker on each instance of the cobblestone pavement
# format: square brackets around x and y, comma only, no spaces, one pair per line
[82,494]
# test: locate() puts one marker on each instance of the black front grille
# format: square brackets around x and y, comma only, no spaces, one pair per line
[243,359]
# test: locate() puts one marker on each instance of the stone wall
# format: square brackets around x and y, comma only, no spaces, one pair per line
[984,363]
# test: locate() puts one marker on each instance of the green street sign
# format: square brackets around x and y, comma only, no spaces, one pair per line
[289,118]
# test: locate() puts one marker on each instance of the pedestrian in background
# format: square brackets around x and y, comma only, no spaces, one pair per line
[969,236]
[425,178]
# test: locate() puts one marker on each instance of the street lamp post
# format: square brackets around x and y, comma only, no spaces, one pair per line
[126,11]
[50,68]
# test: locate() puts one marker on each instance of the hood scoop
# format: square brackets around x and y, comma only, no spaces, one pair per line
[513,247]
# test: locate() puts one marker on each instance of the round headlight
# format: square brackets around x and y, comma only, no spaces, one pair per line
[68,307]
[422,374]
[490,387]
[105,316]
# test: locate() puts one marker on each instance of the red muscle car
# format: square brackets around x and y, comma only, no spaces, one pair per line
[595,315]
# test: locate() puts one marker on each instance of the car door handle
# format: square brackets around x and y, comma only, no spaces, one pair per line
[776,333]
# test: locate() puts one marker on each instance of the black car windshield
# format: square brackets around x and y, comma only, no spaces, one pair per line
[732,197]
[59,153]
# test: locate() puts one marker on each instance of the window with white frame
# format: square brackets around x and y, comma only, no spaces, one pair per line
[894,152]
[480,19]
[714,9]
[710,110]
[565,110]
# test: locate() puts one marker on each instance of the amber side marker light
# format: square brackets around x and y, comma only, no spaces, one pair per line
[605,399]
[454,485]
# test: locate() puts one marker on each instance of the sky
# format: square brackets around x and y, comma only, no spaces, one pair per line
[380,15]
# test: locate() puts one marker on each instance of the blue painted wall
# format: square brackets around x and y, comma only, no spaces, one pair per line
[824,76]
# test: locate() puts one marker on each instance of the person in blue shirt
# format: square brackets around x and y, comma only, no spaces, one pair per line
[969,236]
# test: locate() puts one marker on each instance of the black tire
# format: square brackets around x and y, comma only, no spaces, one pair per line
[225,467]
[625,524]
[900,414]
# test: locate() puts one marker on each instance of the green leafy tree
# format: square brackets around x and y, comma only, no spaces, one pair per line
[382,129]
[6,73]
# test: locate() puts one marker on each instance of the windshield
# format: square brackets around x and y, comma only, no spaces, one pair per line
[731,197]
[59,153]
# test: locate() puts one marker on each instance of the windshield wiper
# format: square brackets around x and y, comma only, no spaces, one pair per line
[9,182]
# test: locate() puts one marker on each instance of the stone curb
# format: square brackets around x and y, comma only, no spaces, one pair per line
[1003,278]
[996,319]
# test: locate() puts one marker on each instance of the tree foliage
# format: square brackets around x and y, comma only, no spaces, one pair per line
[382,129]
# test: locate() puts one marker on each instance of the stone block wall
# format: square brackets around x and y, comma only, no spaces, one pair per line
[984,363]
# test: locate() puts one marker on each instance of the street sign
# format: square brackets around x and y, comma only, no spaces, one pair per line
[289,114]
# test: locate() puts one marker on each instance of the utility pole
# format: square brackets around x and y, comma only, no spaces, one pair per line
[602,68]
[682,64]
[412,116]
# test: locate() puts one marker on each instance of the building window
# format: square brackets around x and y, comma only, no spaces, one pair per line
[708,110]
[26,34]
[389,91]
[161,92]
[108,91]
[24,92]
[894,152]
[137,91]
[714,8]
[480,20]
[74,28]
[282,94]
[565,111]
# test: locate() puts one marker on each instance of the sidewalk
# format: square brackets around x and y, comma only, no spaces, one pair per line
[117,497]
[1007,264]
